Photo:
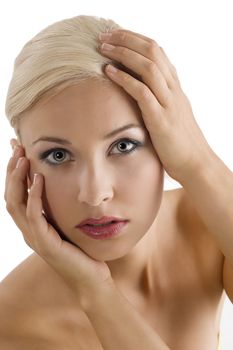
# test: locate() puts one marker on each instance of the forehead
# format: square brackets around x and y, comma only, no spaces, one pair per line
[89,106]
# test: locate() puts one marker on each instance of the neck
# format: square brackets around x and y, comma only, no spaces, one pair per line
[136,270]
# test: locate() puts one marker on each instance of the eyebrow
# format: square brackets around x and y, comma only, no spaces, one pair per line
[66,142]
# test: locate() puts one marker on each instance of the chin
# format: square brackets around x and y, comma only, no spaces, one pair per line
[105,256]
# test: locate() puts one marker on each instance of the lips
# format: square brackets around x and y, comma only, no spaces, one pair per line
[105,231]
[105,220]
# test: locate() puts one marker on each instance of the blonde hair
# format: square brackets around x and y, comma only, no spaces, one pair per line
[62,54]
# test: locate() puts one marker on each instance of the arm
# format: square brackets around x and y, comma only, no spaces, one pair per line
[177,138]
[118,325]
[210,187]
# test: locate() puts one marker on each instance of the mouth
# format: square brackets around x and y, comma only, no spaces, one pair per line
[102,225]
[104,231]
[101,222]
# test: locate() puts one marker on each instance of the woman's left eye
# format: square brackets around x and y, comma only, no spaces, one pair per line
[57,156]
[125,150]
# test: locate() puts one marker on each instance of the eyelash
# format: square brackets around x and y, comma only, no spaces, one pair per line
[44,156]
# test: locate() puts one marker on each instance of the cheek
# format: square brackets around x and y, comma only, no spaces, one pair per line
[146,175]
[55,193]
[140,181]
[148,194]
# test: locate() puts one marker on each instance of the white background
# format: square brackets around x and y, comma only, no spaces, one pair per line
[197,37]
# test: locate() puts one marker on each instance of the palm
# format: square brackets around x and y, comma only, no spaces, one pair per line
[73,264]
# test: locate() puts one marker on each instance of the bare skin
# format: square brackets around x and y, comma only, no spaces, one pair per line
[181,296]
[173,275]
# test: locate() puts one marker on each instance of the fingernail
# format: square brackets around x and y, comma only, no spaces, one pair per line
[107,47]
[105,36]
[20,162]
[111,69]
[35,179]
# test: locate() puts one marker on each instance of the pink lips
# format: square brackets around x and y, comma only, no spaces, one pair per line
[102,220]
[110,227]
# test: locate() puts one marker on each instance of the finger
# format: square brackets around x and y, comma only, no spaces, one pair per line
[16,192]
[42,236]
[36,221]
[146,47]
[149,40]
[144,67]
[141,93]
[131,32]
[18,152]
[172,67]
[11,166]
[13,143]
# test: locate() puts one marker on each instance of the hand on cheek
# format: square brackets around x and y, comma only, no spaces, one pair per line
[81,273]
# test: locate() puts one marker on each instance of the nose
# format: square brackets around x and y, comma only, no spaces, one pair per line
[95,187]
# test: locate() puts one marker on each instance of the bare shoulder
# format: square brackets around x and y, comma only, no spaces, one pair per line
[189,220]
[23,308]
[196,245]
[186,215]
[37,311]
[15,303]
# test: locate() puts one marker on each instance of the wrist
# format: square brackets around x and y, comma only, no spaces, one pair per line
[91,300]
[199,167]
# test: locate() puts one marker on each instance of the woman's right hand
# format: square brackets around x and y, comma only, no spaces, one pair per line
[84,275]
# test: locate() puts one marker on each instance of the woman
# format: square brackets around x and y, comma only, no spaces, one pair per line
[118,262]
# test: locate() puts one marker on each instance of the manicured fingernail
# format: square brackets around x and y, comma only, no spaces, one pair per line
[105,36]
[107,47]
[111,69]
[20,162]
[35,179]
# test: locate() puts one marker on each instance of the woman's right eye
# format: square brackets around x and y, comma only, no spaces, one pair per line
[54,156]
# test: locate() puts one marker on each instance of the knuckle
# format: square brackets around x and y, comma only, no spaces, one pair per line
[10,208]
[122,51]
[145,92]
[174,69]
[152,48]
[126,78]
[151,68]
[123,37]
[153,42]
[162,50]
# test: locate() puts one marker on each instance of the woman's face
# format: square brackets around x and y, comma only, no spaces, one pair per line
[91,175]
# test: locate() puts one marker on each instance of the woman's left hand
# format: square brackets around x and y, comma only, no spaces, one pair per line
[166,111]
